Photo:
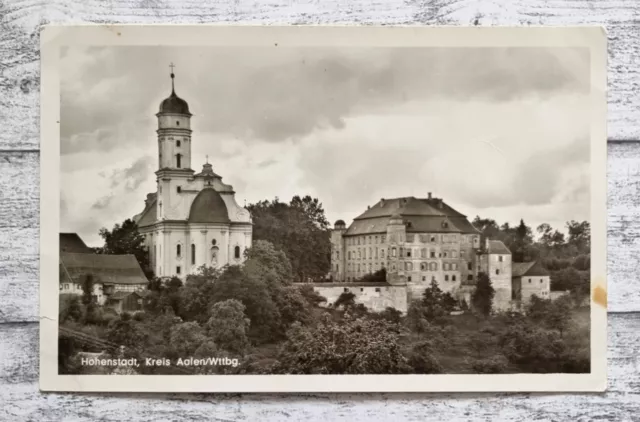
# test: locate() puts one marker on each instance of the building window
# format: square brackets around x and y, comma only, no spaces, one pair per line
[409,278]
[433,266]
[432,254]
[358,267]
[237,252]
[445,266]
[454,267]
[393,252]
[469,277]
[446,277]
[461,254]
[370,254]
[178,124]
[359,254]
[349,255]
[445,254]
[410,238]
[178,250]
[178,160]
[497,272]
[453,278]
[337,254]
[346,290]
[378,289]
[433,239]
[541,281]
[337,268]
[529,281]
[179,189]
[376,252]
[393,268]
[383,238]
[358,241]
[376,239]
[178,142]
[381,253]
[408,266]
[408,253]
[500,258]
[453,254]
[469,266]
[178,270]
[193,254]
[424,278]
[423,253]
[423,266]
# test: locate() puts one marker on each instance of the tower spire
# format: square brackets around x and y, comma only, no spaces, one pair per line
[173,91]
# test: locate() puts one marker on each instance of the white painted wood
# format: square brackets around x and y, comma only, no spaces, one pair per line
[19,97]
[22,401]
[19,76]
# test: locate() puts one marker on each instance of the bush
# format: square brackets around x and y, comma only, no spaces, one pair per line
[493,365]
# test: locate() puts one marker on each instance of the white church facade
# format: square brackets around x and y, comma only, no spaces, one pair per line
[193,218]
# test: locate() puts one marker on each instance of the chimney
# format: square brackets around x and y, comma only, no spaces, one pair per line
[429,195]
[382,202]
[368,207]
[440,204]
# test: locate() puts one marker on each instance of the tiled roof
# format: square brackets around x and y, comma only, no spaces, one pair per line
[111,269]
[496,247]
[534,268]
[150,214]
[71,242]
[420,215]
[119,295]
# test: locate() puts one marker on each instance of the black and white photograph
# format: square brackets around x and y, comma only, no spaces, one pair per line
[272,209]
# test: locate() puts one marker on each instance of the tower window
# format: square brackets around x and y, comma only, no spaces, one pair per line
[193,254]
[178,270]
[237,252]
[178,160]
[446,277]
[177,143]
[179,189]
[178,250]
[497,272]
[178,124]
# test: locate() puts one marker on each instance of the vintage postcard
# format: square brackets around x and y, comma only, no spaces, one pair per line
[323,209]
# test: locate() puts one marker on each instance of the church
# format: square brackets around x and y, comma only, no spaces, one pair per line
[192,219]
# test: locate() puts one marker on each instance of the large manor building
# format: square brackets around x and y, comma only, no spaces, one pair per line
[417,241]
[192,219]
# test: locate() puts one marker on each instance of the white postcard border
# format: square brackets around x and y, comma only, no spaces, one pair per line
[55,37]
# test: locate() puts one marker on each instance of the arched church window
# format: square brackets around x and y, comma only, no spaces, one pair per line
[237,252]
[179,189]
[179,160]
[423,266]
[214,242]
[178,250]
[178,124]
[178,142]
[193,254]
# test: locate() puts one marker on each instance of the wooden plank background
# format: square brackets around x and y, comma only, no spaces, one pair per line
[19,213]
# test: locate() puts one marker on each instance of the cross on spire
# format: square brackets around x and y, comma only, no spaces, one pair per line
[207,159]
[171,65]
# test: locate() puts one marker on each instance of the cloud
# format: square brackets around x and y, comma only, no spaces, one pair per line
[288,93]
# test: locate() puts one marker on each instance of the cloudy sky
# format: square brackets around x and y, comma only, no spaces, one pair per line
[500,133]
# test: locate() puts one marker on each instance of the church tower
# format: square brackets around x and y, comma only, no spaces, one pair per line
[174,153]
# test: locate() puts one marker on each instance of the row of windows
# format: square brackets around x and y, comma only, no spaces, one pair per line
[236,252]
[409,278]
[410,238]
[404,252]
[408,266]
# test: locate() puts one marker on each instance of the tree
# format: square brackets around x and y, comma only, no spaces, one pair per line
[228,326]
[436,303]
[522,241]
[186,338]
[87,290]
[482,298]
[580,235]
[299,229]
[125,239]
[349,346]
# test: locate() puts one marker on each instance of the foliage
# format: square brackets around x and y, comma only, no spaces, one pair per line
[482,298]
[422,359]
[492,365]
[125,239]
[87,289]
[299,229]
[435,303]
[551,314]
[349,346]
[70,308]
[346,300]
[228,326]
[186,338]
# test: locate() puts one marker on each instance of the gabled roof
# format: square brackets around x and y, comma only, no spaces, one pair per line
[496,247]
[109,269]
[534,268]
[71,242]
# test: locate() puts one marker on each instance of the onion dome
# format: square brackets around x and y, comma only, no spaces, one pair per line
[208,207]
[339,224]
[174,104]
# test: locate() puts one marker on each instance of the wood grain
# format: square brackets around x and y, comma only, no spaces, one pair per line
[19,375]
[19,223]
[19,21]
